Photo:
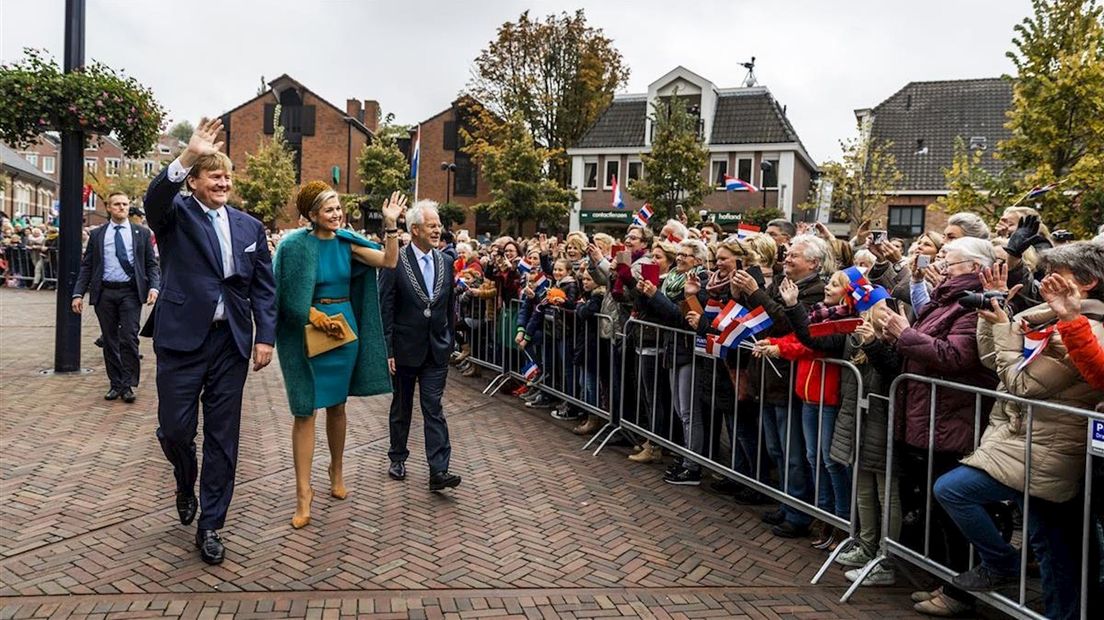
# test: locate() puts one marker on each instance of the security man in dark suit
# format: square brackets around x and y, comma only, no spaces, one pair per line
[120,272]
[416,303]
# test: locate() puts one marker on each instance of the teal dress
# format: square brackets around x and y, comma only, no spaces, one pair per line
[333,370]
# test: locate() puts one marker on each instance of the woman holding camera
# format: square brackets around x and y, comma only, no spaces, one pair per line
[942,343]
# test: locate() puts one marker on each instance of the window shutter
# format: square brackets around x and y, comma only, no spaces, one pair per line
[269,112]
[450,135]
[307,120]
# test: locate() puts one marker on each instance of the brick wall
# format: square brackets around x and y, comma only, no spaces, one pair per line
[432,181]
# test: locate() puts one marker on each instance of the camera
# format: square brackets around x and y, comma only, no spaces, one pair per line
[1062,236]
[982,300]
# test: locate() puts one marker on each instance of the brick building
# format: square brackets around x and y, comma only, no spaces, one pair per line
[923,120]
[447,174]
[104,158]
[742,128]
[26,188]
[325,140]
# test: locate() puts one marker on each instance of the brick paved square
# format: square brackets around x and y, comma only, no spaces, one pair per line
[539,528]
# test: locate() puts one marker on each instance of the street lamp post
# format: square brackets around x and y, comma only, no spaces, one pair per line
[765,167]
[67,327]
[449,169]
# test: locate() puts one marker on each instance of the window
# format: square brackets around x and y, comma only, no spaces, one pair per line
[90,163]
[147,168]
[90,204]
[111,167]
[93,145]
[22,198]
[48,164]
[466,177]
[635,171]
[743,169]
[905,221]
[770,177]
[718,170]
[32,157]
[590,175]
[613,167]
[164,150]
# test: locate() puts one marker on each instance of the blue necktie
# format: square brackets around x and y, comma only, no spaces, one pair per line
[224,243]
[121,252]
[425,276]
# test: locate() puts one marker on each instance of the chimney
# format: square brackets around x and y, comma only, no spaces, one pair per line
[371,114]
[352,108]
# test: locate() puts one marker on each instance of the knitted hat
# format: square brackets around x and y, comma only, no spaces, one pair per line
[307,195]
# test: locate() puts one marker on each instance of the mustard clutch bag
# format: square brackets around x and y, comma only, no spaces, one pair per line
[318,341]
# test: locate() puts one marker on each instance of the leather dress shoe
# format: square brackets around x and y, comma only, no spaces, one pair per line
[112,394]
[210,546]
[397,470]
[186,507]
[127,395]
[443,480]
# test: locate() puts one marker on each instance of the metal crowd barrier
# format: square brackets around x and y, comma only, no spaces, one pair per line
[651,341]
[479,320]
[31,267]
[1017,606]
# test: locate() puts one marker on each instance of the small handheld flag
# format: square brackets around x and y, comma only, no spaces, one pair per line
[731,312]
[643,216]
[1039,191]
[756,321]
[830,328]
[744,231]
[618,202]
[1035,342]
[732,184]
[530,370]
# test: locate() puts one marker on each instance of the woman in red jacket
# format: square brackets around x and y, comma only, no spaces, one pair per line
[1084,349]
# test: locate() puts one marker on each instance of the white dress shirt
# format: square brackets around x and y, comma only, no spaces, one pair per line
[113,271]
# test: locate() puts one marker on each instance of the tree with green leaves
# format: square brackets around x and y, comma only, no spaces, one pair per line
[558,74]
[974,189]
[451,214]
[383,168]
[1057,116]
[674,170]
[267,183]
[515,169]
[865,174]
[182,131]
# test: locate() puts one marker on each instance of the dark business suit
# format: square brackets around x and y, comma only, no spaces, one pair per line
[199,359]
[119,304]
[421,347]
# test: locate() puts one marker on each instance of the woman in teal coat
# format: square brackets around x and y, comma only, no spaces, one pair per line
[321,272]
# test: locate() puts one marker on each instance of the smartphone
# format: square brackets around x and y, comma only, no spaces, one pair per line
[757,273]
[893,304]
[922,261]
[879,236]
[617,248]
[740,264]
[650,272]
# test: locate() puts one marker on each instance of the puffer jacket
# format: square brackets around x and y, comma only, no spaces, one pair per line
[1057,438]
[878,372]
[942,344]
[810,290]
[1085,350]
[810,374]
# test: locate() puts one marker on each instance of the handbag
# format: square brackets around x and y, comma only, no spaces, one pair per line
[319,342]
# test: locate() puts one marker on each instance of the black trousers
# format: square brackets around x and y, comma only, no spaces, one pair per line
[213,374]
[431,386]
[119,311]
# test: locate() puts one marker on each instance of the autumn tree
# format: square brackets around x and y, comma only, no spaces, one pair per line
[129,179]
[971,187]
[268,180]
[557,74]
[182,131]
[866,172]
[674,170]
[516,169]
[383,168]
[1057,116]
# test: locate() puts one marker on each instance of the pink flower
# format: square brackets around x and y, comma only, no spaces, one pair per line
[102,119]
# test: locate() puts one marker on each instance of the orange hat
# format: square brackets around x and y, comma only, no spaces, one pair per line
[307,195]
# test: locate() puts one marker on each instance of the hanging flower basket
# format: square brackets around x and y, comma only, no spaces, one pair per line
[39,97]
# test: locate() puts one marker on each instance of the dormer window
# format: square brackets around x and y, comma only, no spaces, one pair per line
[921,148]
[978,143]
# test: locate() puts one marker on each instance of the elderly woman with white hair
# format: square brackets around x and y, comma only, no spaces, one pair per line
[942,344]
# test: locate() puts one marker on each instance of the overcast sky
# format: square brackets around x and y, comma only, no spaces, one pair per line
[821,59]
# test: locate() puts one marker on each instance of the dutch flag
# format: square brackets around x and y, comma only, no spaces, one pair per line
[618,202]
[643,216]
[417,154]
[732,184]
[540,284]
[524,268]
[756,321]
[712,308]
[1035,342]
[744,231]
[1039,191]
[530,370]
[863,294]
[730,313]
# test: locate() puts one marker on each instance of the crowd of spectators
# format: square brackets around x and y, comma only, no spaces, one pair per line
[559,311]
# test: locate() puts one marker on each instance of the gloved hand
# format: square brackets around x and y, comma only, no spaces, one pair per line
[330,327]
[1025,236]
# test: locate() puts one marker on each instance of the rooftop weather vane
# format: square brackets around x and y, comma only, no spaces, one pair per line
[749,79]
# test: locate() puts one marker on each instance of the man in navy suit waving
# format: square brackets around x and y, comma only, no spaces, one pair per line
[216,282]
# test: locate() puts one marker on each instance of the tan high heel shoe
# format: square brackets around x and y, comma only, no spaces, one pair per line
[302,519]
[337,488]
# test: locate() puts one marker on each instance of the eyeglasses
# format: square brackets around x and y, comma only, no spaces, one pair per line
[685,255]
[632,238]
[958,262]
